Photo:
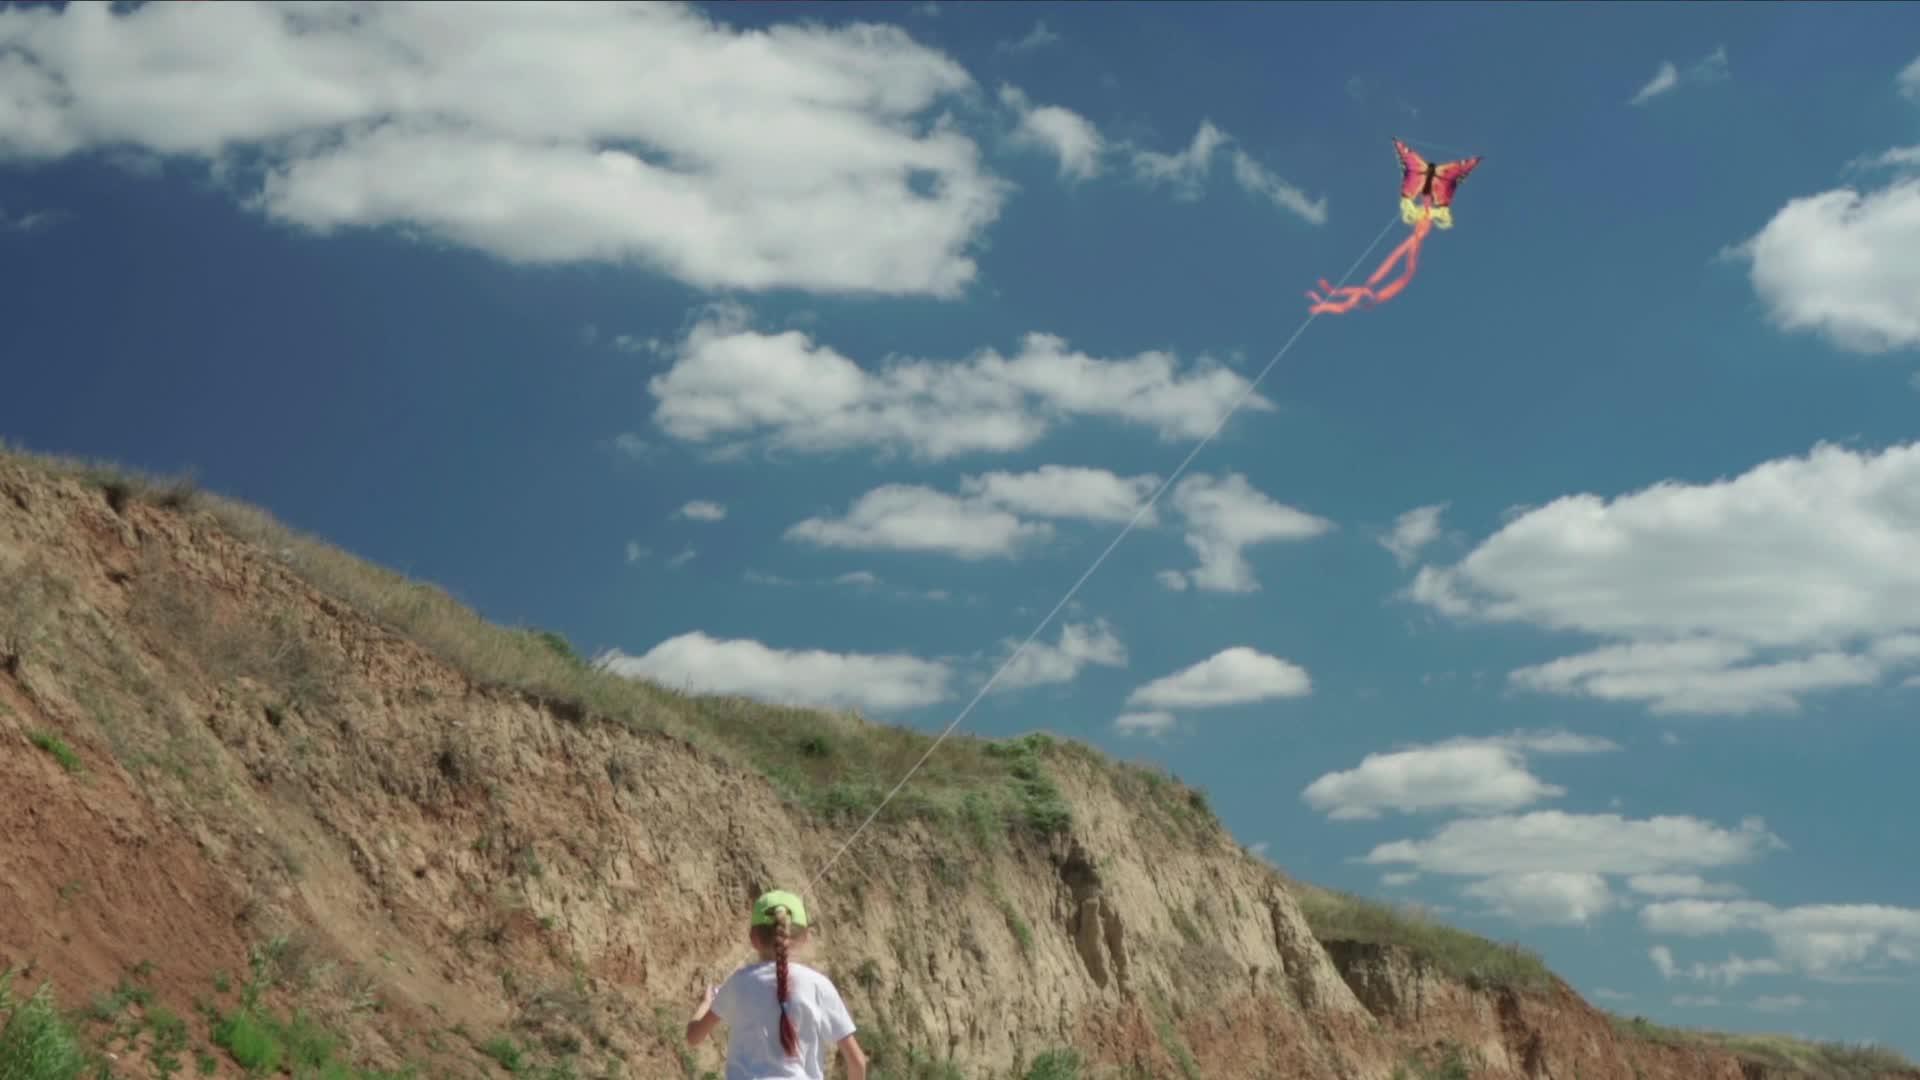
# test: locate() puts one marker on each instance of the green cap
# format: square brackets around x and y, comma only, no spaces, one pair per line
[763,908]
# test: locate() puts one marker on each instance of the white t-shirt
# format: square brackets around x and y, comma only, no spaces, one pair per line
[748,1003]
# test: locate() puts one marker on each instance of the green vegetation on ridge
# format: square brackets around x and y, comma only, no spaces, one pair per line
[837,765]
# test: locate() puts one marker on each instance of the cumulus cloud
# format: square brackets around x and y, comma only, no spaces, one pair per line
[1234,676]
[732,382]
[1826,941]
[1553,840]
[1554,897]
[808,677]
[1692,885]
[1154,723]
[1224,515]
[1909,80]
[1066,134]
[1476,775]
[988,519]
[1734,595]
[1843,264]
[1067,491]
[802,155]
[702,510]
[1668,77]
[904,517]
[1080,644]
[1778,1003]
[1413,531]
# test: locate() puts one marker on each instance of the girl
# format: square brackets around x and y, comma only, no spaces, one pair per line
[781,1016]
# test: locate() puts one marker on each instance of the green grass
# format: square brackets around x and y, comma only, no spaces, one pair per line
[1451,1066]
[57,747]
[1054,1065]
[1819,1060]
[36,1041]
[1470,958]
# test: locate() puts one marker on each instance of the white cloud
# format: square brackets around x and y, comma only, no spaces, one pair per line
[1897,158]
[1234,676]
[902,517]
[1726,973]
[1553,840]
[1257,179]
[1664,79]
[1708,69]
[1398,879]
[1822,940]
[728,381]
[1697,676]
[1066,491]
[686,556]
[1696,1001]
[702,510]
[1909,80]
[1066,134]
[1662,957]
[985,520]
[1605,994]
[1413,531]
[1780,1003]
[1224,516]
[1555,897]
[1470,774]
[1843,264]
[803,155]
[1080,644]
[635,552]
[1037,38]
[812,677]
[1734,595]
[1691,885]
[1172,579]
[1154,723]
[1186,171]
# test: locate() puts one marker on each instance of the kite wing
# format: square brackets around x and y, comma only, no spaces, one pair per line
[1447,177]
[1413,170]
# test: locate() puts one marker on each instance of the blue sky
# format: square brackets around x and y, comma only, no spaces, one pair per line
[815,351]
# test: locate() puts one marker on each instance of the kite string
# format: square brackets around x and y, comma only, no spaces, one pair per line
[1095,565]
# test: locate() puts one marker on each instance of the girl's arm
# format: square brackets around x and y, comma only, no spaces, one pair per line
[856,1058]
[704,1019]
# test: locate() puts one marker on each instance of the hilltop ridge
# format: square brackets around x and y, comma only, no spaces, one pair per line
[274,809]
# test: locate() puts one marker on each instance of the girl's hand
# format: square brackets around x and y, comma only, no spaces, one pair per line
[705,1002]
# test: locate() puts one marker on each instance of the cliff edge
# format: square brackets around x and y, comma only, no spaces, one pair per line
[272,809]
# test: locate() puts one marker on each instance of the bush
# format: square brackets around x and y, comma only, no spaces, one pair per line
[37,1043]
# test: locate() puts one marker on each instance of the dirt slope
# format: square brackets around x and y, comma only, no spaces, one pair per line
[246,776]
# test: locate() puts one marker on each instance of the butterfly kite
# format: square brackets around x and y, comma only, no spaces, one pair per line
[1426,201]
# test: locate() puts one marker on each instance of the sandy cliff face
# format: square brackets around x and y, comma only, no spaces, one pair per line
[267,780]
